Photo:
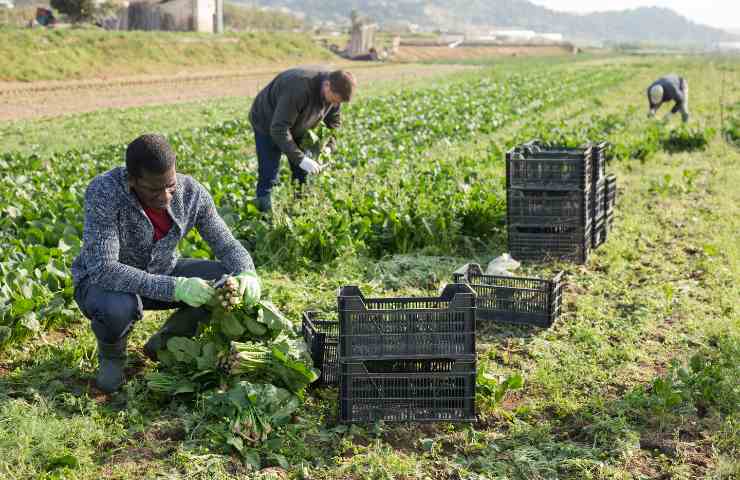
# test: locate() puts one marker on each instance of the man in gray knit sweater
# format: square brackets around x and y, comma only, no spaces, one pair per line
[134,218]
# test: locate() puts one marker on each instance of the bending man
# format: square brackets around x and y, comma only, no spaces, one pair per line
[294,102]
[666,89]
[134,219]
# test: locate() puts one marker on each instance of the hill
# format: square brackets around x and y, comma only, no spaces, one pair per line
[654,25]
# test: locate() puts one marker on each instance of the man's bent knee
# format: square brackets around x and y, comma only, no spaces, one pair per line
[113,314]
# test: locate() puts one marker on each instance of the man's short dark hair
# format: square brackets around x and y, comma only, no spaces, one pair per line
[151,153]
[343,84]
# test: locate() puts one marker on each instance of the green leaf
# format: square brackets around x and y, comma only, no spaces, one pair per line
[710,250]
[184,349]
[255,328]
[273,318]
[252,458]
[280,460]
[231,326]
[62,461]
[185,387]
[166,358]
[208,359]
[235,442]
[23,306]
[514,382]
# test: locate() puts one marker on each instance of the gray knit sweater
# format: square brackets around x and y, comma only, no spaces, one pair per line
[118,248]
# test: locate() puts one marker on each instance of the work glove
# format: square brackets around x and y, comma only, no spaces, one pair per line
[249,287]
[193,291]
[309,165]
[330,146]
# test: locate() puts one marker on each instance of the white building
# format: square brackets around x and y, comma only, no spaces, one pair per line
[173,15]
[729,46]
[520,35]
[551,37]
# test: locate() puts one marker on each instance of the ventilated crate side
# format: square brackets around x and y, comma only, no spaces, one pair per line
[396,327]
[537,207]
[322,337]
[407,391]
[534,165]
[597,202]
[599,151]
[522,300]
[550,243]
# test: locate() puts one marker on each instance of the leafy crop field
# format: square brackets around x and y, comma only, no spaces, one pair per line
[639,378]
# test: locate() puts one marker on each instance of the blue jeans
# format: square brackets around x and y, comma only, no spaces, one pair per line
[268,165]
[113,314]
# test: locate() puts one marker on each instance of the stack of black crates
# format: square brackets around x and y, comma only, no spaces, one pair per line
[407,359]
[556,201]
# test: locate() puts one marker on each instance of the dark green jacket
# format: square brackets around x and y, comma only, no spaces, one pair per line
[289,106]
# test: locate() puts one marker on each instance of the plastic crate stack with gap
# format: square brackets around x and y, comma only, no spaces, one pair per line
[598,197]
[555,197]
[520,300]
[322,336]
[407,359]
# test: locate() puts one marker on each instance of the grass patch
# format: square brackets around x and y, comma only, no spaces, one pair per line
[81,53]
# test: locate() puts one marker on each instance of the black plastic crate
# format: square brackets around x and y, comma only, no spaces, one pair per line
[552,242]
[598,155]
[597,202]
[542,207]
[410,390]
[322,337]
[535,165]
[600,233]
[374,328]
[521,300]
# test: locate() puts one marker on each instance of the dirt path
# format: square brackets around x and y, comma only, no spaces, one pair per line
[48,99]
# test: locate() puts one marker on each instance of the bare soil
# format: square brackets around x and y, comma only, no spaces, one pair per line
[50,99]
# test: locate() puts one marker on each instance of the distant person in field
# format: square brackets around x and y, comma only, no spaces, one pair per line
[670,88]
[134,218]
[294,102]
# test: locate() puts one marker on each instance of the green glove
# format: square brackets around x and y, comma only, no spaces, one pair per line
[193,291]
[249,287]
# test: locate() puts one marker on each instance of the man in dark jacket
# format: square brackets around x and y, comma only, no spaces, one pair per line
[670,88]
[134,218]
[294,102]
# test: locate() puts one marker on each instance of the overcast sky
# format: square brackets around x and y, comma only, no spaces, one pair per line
[716,13]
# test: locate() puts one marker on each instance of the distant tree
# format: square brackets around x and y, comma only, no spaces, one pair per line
[76,10]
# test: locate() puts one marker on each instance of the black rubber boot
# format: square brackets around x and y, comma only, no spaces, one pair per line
[112,361]
[264,203]
[182,323]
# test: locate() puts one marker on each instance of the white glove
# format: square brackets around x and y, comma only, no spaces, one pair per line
[310,165]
